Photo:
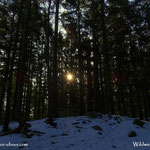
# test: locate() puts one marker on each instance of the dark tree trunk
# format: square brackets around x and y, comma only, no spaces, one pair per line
[55,64]
[35,103]
[89,85]
[97,94]
[108,88]
[138,98]
[82,109]
[131,100]
[40,88]
[96,75]
[144,97]
[23,62]
[47,59]
[2,95]
[43,98]
[29,90]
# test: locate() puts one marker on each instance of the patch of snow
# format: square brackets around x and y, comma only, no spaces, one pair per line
[76,133]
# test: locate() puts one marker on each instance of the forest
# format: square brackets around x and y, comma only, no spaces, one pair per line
[70,57]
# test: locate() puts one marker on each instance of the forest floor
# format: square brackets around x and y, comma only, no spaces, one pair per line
[81,133]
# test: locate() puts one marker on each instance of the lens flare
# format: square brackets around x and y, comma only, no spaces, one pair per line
[69,77]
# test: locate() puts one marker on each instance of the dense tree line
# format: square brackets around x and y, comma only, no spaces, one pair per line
[105,45]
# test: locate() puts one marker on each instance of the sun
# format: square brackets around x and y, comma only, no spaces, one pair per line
[69,77]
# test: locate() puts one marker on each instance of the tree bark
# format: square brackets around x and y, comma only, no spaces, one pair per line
[108,88]
[55,64]
[82,109]
[23,62]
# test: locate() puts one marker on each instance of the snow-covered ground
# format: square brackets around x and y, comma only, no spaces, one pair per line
[81,133]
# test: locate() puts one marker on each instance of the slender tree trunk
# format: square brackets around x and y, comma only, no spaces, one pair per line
[24,58]
[20,13]
[139,100]
[96,75]
[101,73]
[143,90]
[89,85]
[82,109]
[2,95]
[35,103]
[97,94]
[47,59]
[131,100]
[27,107]
[55,64]
[40,89]
[108,88]
[43,98]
